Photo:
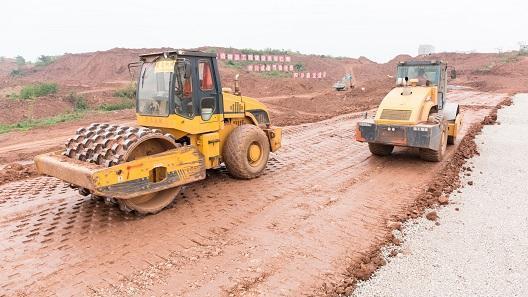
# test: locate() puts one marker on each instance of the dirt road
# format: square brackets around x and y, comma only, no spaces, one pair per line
[322,203]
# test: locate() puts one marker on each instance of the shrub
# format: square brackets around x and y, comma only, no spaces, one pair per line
[38,90]
[15,73]
[117,106]
[44,60]
[299,67]
[506,58]
[78,102]
[20,61]
[129,92]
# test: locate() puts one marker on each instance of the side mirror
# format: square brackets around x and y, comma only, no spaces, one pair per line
[237,85]
[453,73]
[187,69]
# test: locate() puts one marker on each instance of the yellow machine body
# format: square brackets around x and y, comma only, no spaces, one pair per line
[202,137]
[415,113]
[406,105]
[210,136]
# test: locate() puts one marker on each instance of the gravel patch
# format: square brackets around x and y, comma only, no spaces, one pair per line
[478,245]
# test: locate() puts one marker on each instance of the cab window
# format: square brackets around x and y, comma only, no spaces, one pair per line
[183,103]
[154,86]
[423,73]
[205,75]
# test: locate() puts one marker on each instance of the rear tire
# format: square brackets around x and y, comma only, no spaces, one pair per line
[246,152]
[436,155]
[380,149]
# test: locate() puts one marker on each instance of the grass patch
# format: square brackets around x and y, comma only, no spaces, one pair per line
[487,68]
[234,64]
[128,92]
[267,51]
[80,106]
[44,122]
[36,90]
[125,104]
[78,102]
[275,74]
[507,58]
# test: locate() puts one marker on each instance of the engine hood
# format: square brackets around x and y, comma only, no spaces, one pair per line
[405,105]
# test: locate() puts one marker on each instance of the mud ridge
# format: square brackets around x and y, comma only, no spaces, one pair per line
[15,172]
[435,195]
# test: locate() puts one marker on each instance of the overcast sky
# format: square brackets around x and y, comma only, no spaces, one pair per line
[378,30]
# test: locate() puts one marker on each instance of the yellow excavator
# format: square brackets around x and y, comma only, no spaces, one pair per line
[415,113]
[187,124]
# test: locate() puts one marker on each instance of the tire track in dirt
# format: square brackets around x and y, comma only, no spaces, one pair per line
[322,202]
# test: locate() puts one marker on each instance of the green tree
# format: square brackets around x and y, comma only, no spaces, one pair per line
[20,61]
[44,60]
[299,67]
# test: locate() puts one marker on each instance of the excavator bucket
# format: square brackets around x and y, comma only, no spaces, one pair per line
[131,179]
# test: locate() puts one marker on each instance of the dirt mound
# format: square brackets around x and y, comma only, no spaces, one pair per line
[108,67]
[89,68]
[12,111]
[297,109]
[6,66]
[490,72]
[16,171]
[399,58]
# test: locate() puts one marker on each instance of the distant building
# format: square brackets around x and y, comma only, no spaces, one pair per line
[425,49]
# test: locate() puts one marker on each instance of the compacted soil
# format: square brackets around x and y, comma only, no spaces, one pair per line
[320,209]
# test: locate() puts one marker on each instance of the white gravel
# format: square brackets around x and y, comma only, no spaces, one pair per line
[482,249]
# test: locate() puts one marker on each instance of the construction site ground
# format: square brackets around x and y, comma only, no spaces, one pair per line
[309,226]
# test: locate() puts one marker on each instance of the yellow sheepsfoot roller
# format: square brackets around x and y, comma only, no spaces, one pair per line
[186,124]
[145,179]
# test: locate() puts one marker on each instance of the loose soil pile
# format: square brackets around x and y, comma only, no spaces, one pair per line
[15,171]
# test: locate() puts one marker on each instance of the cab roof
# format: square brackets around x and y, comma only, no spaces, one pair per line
[192,53]
[421,63]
